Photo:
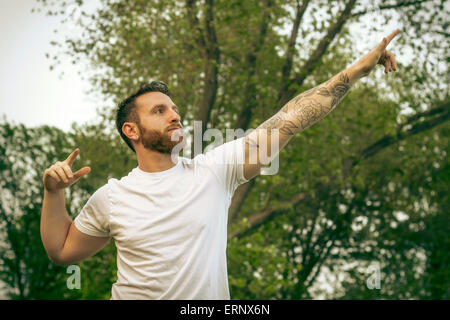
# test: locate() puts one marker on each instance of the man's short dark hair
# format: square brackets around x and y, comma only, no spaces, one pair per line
[127,111]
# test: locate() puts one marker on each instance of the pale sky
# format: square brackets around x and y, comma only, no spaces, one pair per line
[29,92]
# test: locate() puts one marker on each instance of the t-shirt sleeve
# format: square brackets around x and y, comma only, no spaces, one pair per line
[93,219]
[227,162]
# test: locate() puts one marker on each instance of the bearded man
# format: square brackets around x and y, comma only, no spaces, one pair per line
[168,216]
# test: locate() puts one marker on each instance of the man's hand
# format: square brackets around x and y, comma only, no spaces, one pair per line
[60,176]
[378,55]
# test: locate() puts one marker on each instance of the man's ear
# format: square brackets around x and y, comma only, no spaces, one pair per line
[131,131]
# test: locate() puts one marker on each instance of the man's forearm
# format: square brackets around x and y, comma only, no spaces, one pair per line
[298,114]
[313,105]
[55,222]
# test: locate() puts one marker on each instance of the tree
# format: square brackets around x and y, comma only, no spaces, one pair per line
[24,264]
[25,154]
[245,68]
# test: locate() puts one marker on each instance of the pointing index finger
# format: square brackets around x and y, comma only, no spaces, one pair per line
[71,158]
[391,36]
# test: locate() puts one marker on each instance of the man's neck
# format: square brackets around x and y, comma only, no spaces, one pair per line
[153,161]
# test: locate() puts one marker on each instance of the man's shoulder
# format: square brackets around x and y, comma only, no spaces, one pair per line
[101,192]
[192,162]
[120,180]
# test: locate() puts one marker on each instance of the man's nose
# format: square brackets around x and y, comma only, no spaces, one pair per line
[174,116]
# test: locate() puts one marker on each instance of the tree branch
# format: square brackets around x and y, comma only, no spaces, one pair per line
[209,49]
[287,67]
[263,216]
[404,131]
[211,69]
[319,262]
[390,6]
[320,50]
[246,113]
[239,197]
[195,25]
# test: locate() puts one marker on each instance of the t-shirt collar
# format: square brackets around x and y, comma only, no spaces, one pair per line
[158,174]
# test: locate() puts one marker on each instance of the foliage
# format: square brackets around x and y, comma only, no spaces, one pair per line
[371,177]
[24,265]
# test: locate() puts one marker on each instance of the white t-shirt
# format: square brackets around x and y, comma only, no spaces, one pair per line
[169,227]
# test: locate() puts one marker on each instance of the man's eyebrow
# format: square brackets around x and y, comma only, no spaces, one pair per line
[163,105]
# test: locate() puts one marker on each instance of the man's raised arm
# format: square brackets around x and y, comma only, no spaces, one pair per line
[63,243]
[309,107]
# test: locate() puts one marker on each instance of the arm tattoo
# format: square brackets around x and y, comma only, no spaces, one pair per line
[310,106]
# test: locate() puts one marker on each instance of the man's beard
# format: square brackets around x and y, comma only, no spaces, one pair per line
[157,141]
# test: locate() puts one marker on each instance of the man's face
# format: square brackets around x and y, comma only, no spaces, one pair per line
[158,117]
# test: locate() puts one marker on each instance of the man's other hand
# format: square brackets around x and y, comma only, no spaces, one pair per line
[60,176]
